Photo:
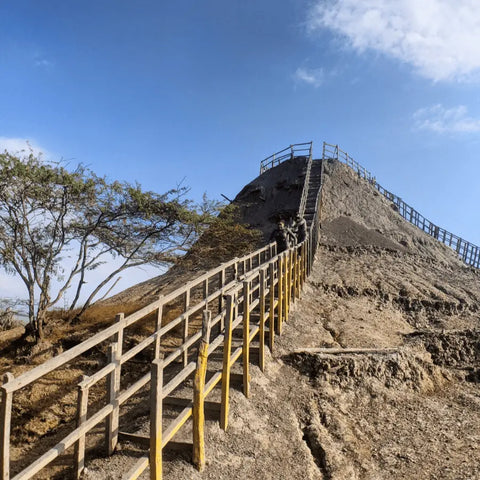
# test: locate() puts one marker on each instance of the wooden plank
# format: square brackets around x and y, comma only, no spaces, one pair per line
[344,351]
[82,407]
[138,468]
[271,319]
[113,385]
[211,384]
[227,347]
[64,444]
[188,402]
[158,327]
[129,354]
[134,388]
[156,420]
[176,425]
[262,322]
[53,363]
[221,306]
[134,438]
[281,280]
[199,395]
[246,339]
[253,333]
[178,379]
[183,348]
[5,427]
[186,306]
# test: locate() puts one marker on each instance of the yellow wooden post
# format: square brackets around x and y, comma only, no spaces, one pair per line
[290,277]
[156,407]
[82,406]
[287,285]
[246,338]
[262,321]
[227,348]
[271,318]
[5,425]
[199,394]
[283,294]
[294,274]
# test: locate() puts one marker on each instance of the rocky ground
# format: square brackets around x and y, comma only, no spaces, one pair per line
[407,411]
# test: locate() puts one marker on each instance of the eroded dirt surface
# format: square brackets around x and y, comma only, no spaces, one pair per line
[408,411]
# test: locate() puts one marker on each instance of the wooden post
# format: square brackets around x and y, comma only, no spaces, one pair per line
[294,274]
[221,281]
[227,348]
[186,306]
[235,270]
[113,385]
[205,291]
[261,352]
[82,407]
[199,394]
[158,327]
[299,269]
[271,319]
[291,273]
[5,425]
[156,416]
[246,338]
[287,285]
[280,294]
[305,262]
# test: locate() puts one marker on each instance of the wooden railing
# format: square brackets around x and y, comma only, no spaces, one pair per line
[295,150]
[468,252]
[253,293]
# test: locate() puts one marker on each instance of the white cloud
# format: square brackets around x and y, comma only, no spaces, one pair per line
[439,38]
[22,145]
[439,119]
[43,63]
[310,76]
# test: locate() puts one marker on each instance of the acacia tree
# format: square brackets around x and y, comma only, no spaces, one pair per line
[51,217]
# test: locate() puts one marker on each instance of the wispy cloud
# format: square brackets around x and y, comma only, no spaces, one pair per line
[439,38]
[43,63]
[22,145]
[310,76]
[439,119]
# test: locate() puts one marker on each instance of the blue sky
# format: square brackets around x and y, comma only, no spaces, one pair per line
[156,91]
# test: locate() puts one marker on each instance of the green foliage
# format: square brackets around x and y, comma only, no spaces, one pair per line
[226,238]
[49,214]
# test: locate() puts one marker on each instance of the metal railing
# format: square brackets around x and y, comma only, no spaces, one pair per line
[251,293]
[468,252]
[295,150]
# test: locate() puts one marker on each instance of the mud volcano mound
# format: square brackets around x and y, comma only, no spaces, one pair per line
[375,375]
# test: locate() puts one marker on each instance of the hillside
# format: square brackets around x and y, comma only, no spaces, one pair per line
[409,410]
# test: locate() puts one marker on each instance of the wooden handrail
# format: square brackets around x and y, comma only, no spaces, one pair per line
[268,287]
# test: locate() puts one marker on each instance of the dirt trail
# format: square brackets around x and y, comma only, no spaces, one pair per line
[408,414]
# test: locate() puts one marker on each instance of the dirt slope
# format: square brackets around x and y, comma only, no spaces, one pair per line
[410,413]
